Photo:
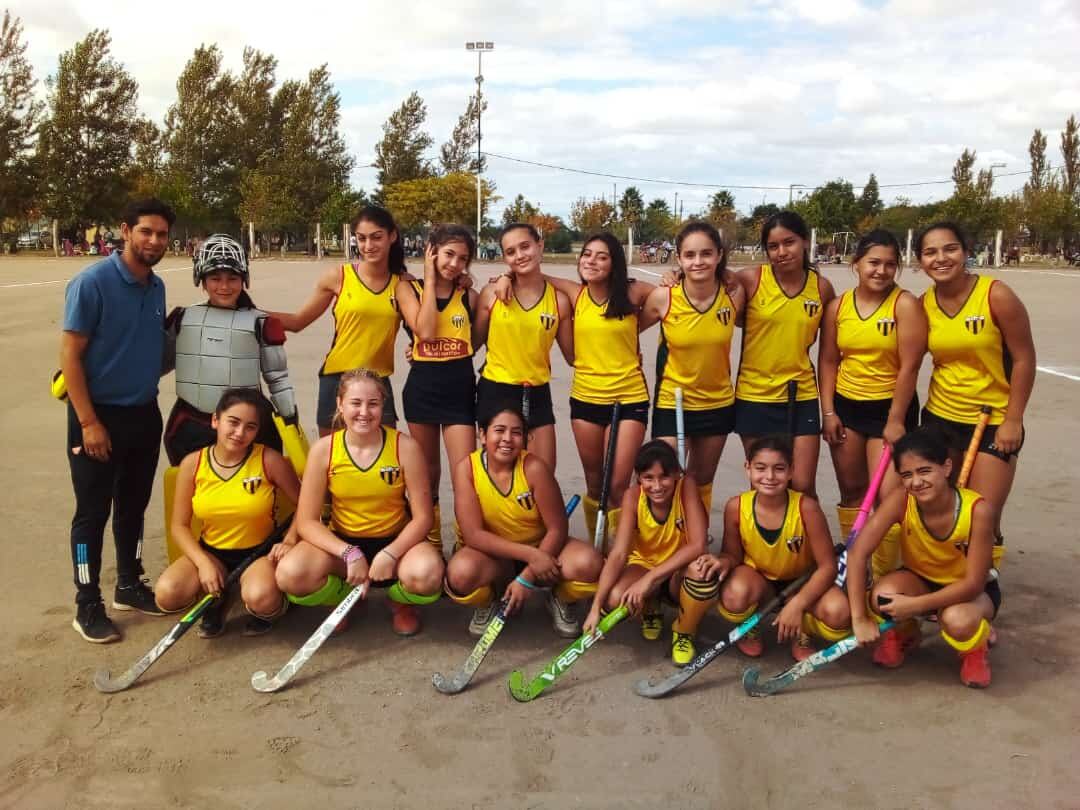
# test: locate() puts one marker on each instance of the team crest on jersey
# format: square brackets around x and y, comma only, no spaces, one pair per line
[794,544]
[526,500]
[962,547]
[886,326]
[811,307]
[390,474]
[680,524]
[547,319]
[393,302]
[251,485]
[975,323]
[458,320]
[724,314]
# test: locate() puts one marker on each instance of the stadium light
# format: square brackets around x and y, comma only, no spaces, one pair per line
[790,189]
[479,47]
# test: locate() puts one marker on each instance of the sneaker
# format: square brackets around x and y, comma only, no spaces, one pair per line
[751,645]
[975,667]
[212,624]
[406,619]
[652,625]
[801,648]
[257,626]
[893,646]
[682,648]
[563,618]
[93,624]
[136,596]
[480,619]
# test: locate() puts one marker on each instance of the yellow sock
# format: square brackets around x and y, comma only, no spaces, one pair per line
[887,554]
[612,526]
[434,535]
[573,590]
[735,618]
[846,515]
[481,597]
[814,626]
[705,491]
[696,596]
[982,633]
[591,507]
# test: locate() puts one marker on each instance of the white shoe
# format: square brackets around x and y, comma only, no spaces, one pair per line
[563,617]
[480,618]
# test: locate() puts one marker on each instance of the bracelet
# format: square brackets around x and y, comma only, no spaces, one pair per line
[351,553]
[520,580]
[829,413]
[388,553]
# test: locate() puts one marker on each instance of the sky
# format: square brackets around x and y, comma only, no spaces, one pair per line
[737,93]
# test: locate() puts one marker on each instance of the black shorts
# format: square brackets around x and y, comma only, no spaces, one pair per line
[492,397]
[601,414]
[711,422]
[327,404]
[371,546]
[958,435]
[869,416]
[231,558]
[991,589]
[440,393]
[771,418]
[189,429]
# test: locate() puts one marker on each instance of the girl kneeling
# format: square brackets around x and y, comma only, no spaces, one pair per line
[380,512]
[231,487]
[514,529]
[657,547]
[946,543]
[772,536]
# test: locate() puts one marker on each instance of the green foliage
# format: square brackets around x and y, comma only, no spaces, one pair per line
[520,210]
[399,156]
[631,207]
[870,204]
[590,216]
[831,208]
[658,222]
[419,203]
[559,240]
[459,153]
[19,116]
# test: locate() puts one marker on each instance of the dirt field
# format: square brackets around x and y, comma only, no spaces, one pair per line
[362,726]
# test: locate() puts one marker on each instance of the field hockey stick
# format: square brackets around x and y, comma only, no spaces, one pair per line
[646,688]
[680,429]
[460,679]
[103,680]
[973,445]
[525,409]
[605,484]
[524,692]
[261,682]
[821,658]
[792,392]
[864,514]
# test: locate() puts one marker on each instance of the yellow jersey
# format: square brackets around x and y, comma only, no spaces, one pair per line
[971,362]
[607,360]
[519,340]
[778,333]
[453,330]
[512,515]
[869,349]
[939,559]
[695,352]
[786,557]
[367,502]
[236,512]
[656,540]
[365,326]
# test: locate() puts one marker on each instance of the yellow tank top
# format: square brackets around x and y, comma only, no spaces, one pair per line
[366,502]
[941,560]
[696,352]
[607,362]
[776,342]
[869,349]
[657,540]
[453,330]
[787,557]
[236,512]
[365,326]
[971,362]
[511,515]
[519,340]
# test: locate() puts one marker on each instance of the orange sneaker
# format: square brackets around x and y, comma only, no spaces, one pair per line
[751,645]
[406,619]
[893,646]
[802,648]
[975,668]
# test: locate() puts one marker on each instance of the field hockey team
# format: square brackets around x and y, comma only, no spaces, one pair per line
[367,510]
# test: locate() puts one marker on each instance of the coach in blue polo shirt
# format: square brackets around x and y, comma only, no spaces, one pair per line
[112,354]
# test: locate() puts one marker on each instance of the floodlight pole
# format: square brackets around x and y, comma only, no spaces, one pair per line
[479,47]
[790,190]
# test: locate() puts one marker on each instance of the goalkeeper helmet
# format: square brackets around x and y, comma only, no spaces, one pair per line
[220,251]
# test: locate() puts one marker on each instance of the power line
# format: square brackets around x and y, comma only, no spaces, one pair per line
[657,181]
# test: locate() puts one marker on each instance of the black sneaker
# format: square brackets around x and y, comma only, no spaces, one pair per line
[212,623]
[257,626]
[92,624]
[136,596]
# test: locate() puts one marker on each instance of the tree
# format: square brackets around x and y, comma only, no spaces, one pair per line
[341,206]
[831,207]
[658,222]
[631,206]
[253,102]
[962,171]
[459,153]
[399,156]
[520,210]
[417,204]
[19,115]
[146,174]
[1070,154]
[870,204]
[85,142]
[589,217]
[1037,152]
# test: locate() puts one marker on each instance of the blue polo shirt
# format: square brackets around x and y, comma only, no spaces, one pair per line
[125,321]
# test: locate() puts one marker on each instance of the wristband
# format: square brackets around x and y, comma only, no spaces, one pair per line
[351,553]
[388,553]
[829,413]
[520,580]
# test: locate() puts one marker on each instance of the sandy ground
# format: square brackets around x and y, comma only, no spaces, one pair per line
[362,727]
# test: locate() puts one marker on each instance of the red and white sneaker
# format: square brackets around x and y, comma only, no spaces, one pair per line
[406,619]
[894,645]
[975,667]
[751,645]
